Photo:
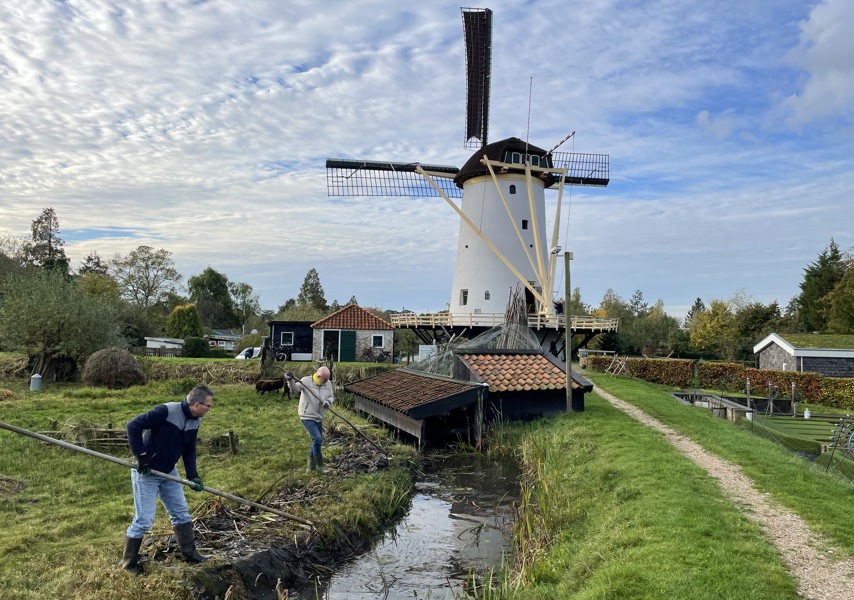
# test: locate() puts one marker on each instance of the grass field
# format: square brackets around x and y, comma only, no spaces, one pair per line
[64,514]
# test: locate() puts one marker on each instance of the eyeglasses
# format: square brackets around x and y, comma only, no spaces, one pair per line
[208,404]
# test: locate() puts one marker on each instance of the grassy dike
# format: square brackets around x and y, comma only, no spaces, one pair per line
[63,514]
[612,510]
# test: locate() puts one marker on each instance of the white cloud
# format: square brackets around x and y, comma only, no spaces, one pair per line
[202,128]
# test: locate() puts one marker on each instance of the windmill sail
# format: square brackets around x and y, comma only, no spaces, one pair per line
[477,23]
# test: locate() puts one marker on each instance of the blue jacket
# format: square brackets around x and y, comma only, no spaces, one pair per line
[167,432]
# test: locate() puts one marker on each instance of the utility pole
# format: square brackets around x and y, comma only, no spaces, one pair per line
[567,256]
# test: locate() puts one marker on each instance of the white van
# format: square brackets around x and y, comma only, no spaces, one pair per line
[251,352]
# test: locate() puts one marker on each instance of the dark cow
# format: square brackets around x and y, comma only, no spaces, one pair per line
[273,385]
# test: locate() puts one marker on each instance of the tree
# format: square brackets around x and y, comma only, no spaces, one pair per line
[840,305]
[820,277]
[311,292]
[753,322]
[353,300]
[47,316]
[714,331]
[288,305]
[211,294]
[654,331]
[246,302]
[99,285]
[93,264]
[184,322]
[638,305]
[45,249]
[695,311]
[145,276]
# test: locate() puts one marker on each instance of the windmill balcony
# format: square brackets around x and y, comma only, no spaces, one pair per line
[430,320]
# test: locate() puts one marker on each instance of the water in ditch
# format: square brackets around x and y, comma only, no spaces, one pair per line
[459,521]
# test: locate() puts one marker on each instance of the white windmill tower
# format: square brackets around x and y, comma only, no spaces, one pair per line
[502,240]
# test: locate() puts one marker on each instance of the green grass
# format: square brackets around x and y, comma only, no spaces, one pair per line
[822,498]
[807,340]
[63,533]
[612,510]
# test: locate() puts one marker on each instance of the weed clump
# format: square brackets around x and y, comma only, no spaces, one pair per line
[112,368]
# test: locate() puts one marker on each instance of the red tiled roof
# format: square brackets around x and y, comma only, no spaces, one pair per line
[352,316]
[404,390]
[516,372]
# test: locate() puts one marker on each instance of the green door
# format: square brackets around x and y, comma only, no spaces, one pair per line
[347,350]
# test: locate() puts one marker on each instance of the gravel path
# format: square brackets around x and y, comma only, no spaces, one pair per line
[823,572]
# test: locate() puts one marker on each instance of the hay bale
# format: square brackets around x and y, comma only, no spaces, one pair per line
[112,368]
[7,395]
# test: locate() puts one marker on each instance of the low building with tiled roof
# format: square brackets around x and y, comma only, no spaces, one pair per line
[353,334]
[476,386]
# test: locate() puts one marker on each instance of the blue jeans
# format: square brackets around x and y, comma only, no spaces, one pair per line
[146,489]
[315,432]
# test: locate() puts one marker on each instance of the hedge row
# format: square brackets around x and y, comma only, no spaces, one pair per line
[733,377]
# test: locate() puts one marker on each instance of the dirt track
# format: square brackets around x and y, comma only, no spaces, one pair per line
[823,572]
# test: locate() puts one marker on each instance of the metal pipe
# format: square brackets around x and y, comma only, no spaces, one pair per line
[131,465]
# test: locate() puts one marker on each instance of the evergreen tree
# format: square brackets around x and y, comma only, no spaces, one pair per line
[184,322]
[45,249]
[638,305]
[819,280]
[311,292]
[840,305]
[353,300]
[696,310]
[93,264]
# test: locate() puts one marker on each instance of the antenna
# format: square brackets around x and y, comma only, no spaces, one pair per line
[530,95]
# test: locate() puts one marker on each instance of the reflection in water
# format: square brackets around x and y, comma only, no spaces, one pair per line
[459,520]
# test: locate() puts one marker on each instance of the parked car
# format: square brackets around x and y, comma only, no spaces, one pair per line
[251,352]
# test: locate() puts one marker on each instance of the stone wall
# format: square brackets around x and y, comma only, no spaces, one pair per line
[776,358]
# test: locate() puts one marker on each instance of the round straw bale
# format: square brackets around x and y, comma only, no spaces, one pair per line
[112,368]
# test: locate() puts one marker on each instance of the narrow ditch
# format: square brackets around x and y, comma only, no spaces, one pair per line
[459,522]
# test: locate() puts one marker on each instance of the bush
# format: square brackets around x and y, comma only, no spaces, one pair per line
[112,368]
[196,347]
[218,353]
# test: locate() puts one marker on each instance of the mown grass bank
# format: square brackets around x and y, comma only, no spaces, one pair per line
[612,510]
[64,514]
[824,499]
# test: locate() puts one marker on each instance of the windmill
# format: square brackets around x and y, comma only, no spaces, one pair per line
[501,193]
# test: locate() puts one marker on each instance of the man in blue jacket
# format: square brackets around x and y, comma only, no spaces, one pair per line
[158,438]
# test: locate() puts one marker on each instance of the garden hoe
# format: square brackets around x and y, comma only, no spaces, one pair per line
[131,465]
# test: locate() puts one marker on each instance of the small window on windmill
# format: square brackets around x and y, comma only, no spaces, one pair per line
[516,157]
[464,297]
[524,223]
[512,189]
[486,295]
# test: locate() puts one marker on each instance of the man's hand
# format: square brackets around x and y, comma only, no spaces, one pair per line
[326,404]
[198,484]
[143,464]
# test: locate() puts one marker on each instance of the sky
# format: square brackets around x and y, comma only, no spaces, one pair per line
[202,127]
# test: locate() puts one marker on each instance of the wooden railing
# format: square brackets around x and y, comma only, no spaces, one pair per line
[578,323]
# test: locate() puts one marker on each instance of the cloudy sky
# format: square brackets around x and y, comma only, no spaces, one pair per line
[202,127]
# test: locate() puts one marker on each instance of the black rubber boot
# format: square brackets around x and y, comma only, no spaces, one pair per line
[130,556]
[319,460]
[312,464]
[186,543]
